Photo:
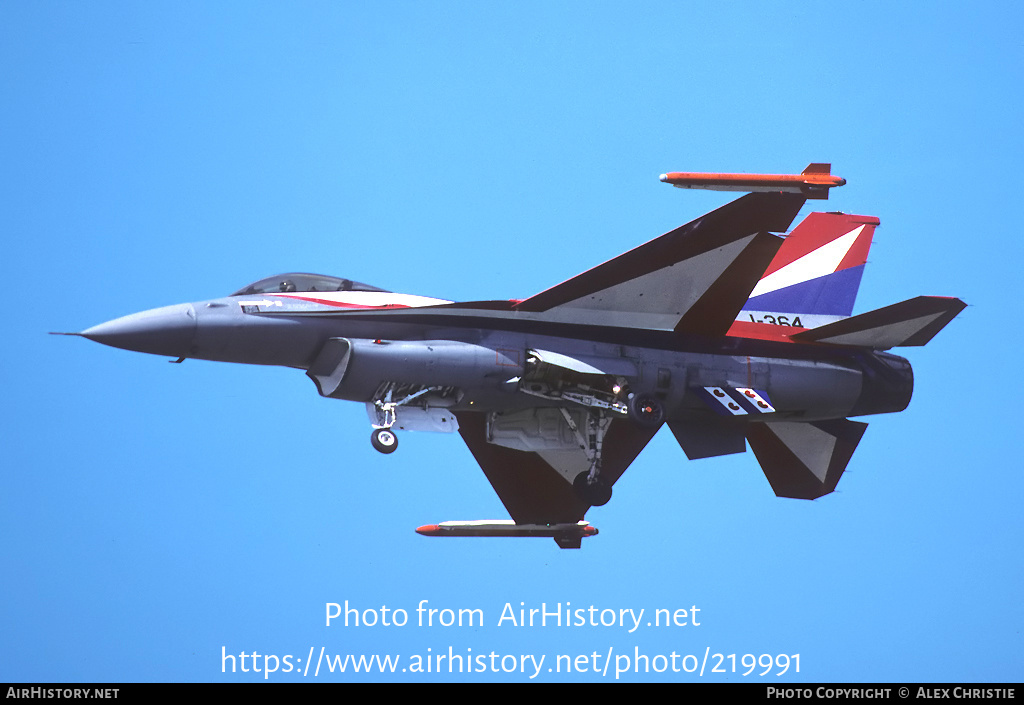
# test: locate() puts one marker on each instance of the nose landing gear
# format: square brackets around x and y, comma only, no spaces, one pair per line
[392,396]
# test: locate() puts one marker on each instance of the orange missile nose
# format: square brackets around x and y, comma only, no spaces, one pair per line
[429,530]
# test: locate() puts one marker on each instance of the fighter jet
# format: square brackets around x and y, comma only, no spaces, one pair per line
[722,329]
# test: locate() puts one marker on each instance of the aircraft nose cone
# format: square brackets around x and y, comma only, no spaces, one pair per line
[161,331]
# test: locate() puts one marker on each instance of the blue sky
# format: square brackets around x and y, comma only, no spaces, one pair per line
[155,153]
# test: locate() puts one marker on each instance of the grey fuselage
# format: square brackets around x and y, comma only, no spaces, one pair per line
[484,352]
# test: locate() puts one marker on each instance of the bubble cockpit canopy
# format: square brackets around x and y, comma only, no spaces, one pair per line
[286,283]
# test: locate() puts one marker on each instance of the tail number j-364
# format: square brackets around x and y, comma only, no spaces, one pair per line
[777,320]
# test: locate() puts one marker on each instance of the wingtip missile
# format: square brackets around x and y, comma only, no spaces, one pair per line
[507,528]
[813,182]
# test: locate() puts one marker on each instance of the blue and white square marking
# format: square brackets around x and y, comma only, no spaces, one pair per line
[741,401]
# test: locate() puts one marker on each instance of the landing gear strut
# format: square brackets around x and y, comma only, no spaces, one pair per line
[589,485]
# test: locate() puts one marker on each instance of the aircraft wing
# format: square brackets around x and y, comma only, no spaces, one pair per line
[536,486]
[694,279]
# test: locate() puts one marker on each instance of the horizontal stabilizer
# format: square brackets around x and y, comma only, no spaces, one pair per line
[804,460]
[908,323]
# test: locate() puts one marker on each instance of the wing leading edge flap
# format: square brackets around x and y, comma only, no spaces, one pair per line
[692,279]
[531,489]
[804,460]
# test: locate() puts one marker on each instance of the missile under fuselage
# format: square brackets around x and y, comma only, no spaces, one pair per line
[814,182]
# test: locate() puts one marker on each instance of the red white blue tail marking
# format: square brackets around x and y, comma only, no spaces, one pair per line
[815,275]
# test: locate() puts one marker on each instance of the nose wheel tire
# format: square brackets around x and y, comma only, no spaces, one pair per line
[384,440]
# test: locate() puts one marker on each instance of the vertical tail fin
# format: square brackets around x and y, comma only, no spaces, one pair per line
[815,275]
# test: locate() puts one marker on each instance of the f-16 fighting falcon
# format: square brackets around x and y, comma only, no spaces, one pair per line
[721,329]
